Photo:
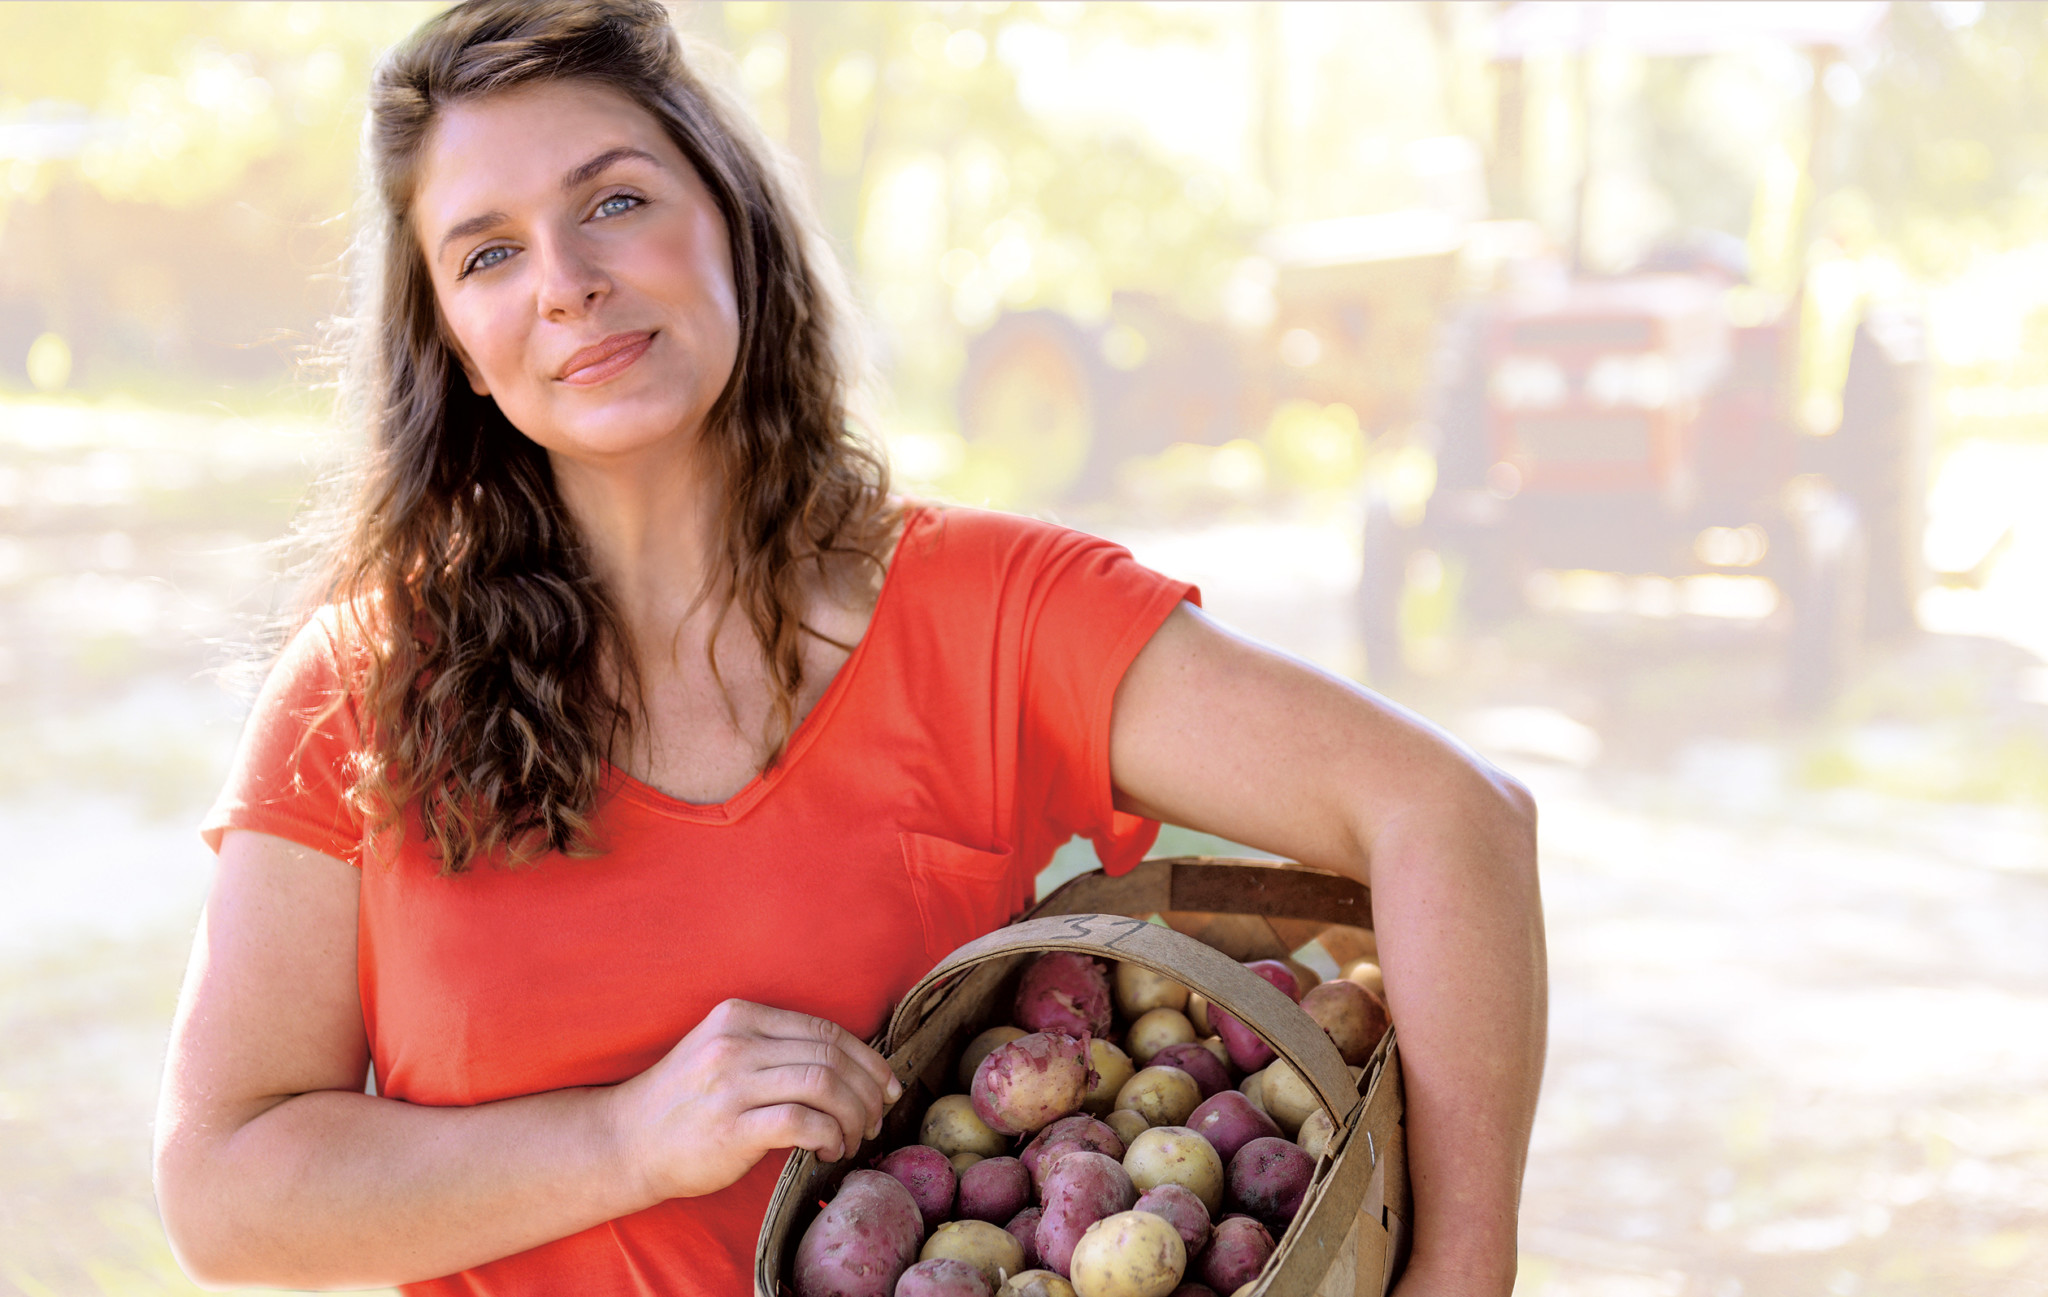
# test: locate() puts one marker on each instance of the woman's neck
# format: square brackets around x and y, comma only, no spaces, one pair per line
[653,531]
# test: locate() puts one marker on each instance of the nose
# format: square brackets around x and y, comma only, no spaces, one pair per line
[571,280]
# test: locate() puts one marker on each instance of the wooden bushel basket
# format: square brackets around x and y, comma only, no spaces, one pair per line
[1350,1237]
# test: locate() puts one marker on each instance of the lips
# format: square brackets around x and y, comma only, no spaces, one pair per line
[603,360]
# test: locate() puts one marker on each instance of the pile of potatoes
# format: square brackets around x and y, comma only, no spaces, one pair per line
[1070,1166]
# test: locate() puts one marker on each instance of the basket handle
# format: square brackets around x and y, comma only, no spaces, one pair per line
[1263,1007]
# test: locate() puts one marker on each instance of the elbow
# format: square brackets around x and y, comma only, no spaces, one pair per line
[199,1229]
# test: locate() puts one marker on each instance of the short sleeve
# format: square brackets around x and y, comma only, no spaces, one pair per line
[1095,608]
[291,772]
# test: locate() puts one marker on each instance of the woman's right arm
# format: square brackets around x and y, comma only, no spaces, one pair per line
[274,1168]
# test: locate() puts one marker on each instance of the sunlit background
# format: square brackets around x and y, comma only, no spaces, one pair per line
[1654,395]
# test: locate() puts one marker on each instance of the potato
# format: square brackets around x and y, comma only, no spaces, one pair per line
[1349,1014]
[1155,1031]
[1237,1252]
[1253,1087]
[1177,1155]
[950,1126]
[1066,992]
[1112,1068]
[1077,1131]
[929,1176]
[1080,1189]
[980,1047]
[1306,979]
[1130,1254]
[1030,1082]
[1127,1124]
[1036,1283]
[1215,1045]
[1209,1073]
[1183,1210]
[1198,1013]
[1367,974]
[993,1190]
[1314,1135]
[1248,1050]
[961,1161]
[1229,1121]
[1163,1096]
[988,1248]
[862,1242]
[1024,1228]
[1268,1179]
[1279,974]
[1139,990]
[942,1277]
[1289,1100]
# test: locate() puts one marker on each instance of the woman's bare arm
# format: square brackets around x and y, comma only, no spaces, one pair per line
[1224,736]
[274,1168]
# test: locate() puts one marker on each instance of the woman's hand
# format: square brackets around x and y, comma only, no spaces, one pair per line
[747,1080]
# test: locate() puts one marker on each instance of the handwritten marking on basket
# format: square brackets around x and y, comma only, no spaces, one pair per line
[1101,926]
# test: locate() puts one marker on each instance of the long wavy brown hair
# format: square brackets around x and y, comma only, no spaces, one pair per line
[495,679]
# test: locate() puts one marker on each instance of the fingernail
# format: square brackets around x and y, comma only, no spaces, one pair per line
[875,1128]
[895,1089]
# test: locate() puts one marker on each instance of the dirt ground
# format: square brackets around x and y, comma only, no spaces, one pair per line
[1799,1033]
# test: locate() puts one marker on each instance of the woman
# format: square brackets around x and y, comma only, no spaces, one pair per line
[644,751]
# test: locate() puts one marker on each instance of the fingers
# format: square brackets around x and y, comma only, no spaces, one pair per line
[785,1024]
[792,1125]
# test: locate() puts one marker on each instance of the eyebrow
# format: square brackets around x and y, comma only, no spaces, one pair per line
[574,177]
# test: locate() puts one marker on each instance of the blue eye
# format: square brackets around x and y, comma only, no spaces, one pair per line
[485,259]
[617,204]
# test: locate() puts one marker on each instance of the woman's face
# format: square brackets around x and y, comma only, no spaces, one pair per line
[581,266]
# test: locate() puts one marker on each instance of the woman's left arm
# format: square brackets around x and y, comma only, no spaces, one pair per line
[1221,735]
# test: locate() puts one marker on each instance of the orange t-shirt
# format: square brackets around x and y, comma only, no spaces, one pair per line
[964,741]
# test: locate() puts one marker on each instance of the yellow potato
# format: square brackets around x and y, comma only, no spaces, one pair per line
[1035,1283]
[1112,1068]
[1156,1031]
[1163,1096]
[1289,1100]
[990,1249]
[1130,1254]
[1127,1124]
[1314,1135]
[951,1126]
[1139,990]
[1198,1013]
[961,1161]
[1367,974]
[981,1047]
[1177,1155]
[1215,1045]
[1253,1087]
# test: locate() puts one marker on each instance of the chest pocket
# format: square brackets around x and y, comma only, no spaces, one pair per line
[962,893]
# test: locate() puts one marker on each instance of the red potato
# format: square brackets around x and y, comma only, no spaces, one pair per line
[993,1190]
[928,1174]
[1183,1210]
[1237,1252]
[862,1242]
[942,1277]
[1278,974]
[1066,992]
[1081,1189]
[1248,1051]
[1350,1015]
[1082,1130]
[1024,1228]
[1031,1082]
[1229,1121]
[1269,1178]
[1197,1061]
[1306,979]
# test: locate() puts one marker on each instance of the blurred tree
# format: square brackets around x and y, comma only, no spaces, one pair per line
[1948,143]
